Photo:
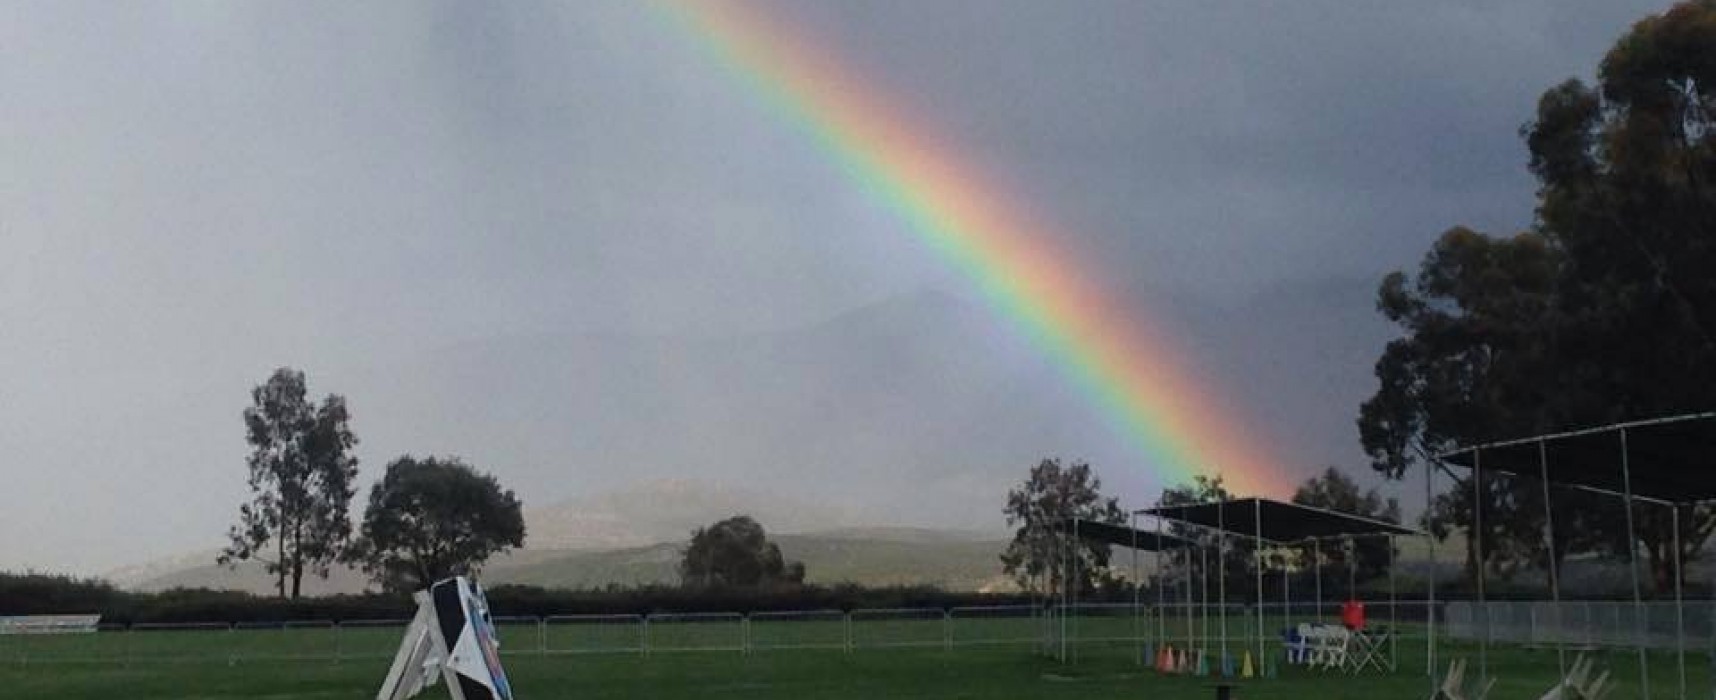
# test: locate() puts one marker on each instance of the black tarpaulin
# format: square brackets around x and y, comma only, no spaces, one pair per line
[1669,459]
[1123,536]
[1275,521]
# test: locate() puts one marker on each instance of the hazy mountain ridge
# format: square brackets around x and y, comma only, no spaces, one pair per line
[633,536]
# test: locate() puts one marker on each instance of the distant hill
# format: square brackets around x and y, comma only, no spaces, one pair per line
[876,556]
[950,560]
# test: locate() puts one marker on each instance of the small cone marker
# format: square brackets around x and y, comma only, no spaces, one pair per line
[1182,664]
[1203,664]
[1226,665]
[1245,666]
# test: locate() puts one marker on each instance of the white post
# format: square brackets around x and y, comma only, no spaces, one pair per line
[1137,630]
[1162,585]
[1633,553]
[1317,562]
[1430,610]
[1221,576]
[1549,540]
[1478,561]
[1257,549]
[1679,605]
[1393,614]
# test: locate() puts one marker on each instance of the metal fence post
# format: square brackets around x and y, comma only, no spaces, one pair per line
[541,636]
[339,641]
[946,630]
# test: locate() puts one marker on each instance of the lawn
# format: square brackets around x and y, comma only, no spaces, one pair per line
[895,658]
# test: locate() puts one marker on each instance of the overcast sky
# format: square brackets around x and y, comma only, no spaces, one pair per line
[194,193]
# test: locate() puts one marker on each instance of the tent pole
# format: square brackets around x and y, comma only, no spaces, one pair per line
[1478,560]
[1191,627]
[1204,597]
[1430,546]
[1352,568]
[1287,626]
[1161,589]
[1317,560]
[1549,542]
[1633,554]
[1257,550]
[1066,577]
[1078,580]
[1221,575]
[1393,612]
[1137,630]
[1679,605]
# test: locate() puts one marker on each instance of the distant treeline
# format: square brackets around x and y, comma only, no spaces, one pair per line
[37,594]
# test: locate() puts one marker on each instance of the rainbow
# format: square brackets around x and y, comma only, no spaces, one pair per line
[1110,354]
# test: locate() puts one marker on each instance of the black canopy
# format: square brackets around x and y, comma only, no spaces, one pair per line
[1121,535]
[1669,459]
[1275,521]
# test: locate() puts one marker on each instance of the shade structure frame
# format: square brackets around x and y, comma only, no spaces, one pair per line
[1652,474]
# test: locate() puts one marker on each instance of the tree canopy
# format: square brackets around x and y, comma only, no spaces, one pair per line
[429,519]
[736,552]
[1604,311]
[1051,494]
[301,472]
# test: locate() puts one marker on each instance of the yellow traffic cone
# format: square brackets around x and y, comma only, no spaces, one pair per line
[1245,665]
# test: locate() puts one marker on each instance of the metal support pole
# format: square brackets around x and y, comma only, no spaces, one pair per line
[1257,549]
[1191,627]
[1633,553]
[1077,581]
[1221,576]
[1287,625]
[1137,629]
[1317,563]
[1679,605]
[1204,597]
[1549,542]
[1393,612]
[1478,561]
[1430,609]
[1352,568]
[1161,590]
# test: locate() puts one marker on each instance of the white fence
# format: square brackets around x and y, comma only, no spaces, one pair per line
[1025,627]
[1661,625]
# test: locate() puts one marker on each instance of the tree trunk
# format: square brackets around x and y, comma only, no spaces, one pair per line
[280,565]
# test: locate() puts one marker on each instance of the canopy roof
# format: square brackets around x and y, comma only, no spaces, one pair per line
[1121,535]
[1275,521]
[1669,459]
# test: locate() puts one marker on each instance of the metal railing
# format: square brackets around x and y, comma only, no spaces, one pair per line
[1021,626]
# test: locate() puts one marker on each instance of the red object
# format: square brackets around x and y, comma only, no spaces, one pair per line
[1352,615]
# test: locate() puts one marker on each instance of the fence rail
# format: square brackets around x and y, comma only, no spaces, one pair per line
[1582,623]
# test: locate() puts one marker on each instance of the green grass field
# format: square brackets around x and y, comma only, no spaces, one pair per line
[895,657]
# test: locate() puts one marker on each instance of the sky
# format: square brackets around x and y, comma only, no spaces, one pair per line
[564,242]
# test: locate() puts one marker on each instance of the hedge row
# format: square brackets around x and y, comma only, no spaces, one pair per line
[34,594]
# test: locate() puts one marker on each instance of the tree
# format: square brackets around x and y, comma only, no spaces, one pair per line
[736,552]
[1334,490]
[1050,496]
[1239,563]
[1628,175]
[1605,311]
[1476,363]
[434,518]
[301,472]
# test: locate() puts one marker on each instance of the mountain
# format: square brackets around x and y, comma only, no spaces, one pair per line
[950,559]
[667,510]
[633,536]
